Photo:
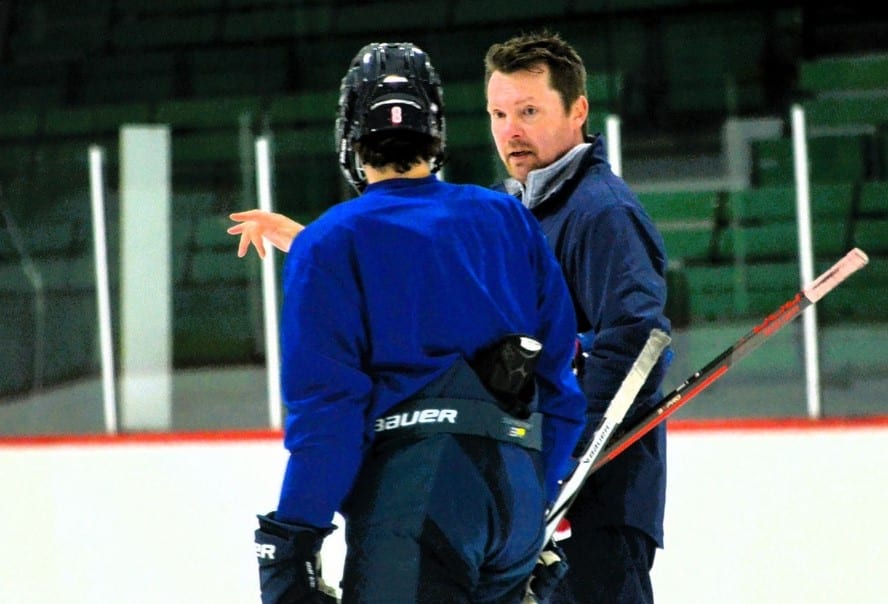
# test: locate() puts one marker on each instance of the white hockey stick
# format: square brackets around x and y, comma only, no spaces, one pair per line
[656,343]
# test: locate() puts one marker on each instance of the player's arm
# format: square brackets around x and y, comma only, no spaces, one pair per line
[254,225]
[326,394]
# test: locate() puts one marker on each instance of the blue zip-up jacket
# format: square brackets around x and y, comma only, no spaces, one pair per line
[614,260]
[382,294]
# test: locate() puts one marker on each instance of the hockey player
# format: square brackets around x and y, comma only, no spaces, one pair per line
[426,342]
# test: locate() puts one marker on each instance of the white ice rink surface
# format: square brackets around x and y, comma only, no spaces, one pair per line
[753,517]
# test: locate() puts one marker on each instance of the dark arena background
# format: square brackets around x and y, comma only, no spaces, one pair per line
[132,336]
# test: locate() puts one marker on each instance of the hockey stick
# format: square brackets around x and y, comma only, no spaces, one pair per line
[654,346]
[853,261]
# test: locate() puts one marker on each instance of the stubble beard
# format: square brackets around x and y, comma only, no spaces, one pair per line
[527,163]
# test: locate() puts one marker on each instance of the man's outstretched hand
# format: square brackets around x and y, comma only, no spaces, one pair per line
[254,225]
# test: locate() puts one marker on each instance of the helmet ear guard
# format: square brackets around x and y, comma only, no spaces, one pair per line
[389,87]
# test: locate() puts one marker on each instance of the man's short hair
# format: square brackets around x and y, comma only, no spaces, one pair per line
[402,150]
[567,74]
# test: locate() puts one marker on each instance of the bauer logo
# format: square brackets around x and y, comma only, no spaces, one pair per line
[426,416]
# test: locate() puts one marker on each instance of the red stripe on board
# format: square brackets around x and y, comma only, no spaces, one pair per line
[163,438]
[674,425]
[776,424]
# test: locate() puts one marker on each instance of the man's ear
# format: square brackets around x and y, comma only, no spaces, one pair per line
[579,111]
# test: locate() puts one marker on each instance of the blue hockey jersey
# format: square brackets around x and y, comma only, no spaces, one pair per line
[382,294]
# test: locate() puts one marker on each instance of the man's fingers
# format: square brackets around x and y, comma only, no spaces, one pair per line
[254,225]
[268,219]
[250,237]
[245,215]
[250,234]
[243,246]
[259,244]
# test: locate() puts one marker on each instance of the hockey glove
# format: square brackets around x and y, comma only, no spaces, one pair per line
[506,367]
[288,563]
[548,573]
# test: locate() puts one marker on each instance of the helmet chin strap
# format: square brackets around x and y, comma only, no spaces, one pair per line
[359,169]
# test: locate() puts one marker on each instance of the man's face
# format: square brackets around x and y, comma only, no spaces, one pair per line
[530,126]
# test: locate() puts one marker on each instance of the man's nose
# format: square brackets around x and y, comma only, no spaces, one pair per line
[512,128]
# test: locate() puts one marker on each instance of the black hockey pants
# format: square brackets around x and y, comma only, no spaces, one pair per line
[445,518]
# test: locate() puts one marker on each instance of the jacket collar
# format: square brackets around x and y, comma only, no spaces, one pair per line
[544,182]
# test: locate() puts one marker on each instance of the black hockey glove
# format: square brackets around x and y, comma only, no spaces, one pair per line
[547,574]
[288,563]
[506,367]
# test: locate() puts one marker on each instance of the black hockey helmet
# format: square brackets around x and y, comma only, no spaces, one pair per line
[389,86]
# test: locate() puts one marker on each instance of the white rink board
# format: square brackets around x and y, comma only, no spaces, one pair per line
[789,517]
[780,517]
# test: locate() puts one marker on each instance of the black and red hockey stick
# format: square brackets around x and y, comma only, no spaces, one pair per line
[853,261]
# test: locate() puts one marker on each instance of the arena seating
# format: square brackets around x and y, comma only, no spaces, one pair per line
[221,72]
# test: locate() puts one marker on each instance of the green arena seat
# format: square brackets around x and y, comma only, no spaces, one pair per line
[311,107]
[243,70]
[49,238]
[466,131]
[309,141]
[68,121]
[596,122]
[466,97]
[873,198]
[687,220]
[206,147]
[474,165]
[832,159]
[777,203]
[166,31]
[871,235]
[861,297]
[398,16]
[210,266]
[19,124]
[210,233]
[206,113]
[111,117]
[843,73]
[604,91]
[13,277]
[711,292]
[847,112]
[276,22]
